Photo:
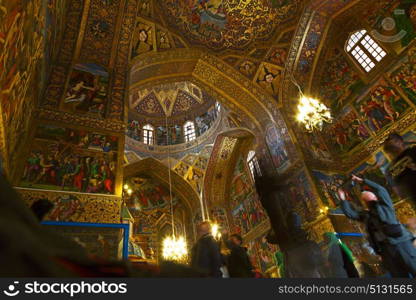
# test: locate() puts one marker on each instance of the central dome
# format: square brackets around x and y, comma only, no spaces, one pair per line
[177,101]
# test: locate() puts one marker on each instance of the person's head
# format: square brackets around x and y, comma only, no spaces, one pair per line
[41,208]
[236,239]
[368,197]
[394,145]
[204,228]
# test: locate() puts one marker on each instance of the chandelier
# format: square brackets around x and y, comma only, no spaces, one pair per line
[174,248]
[312,114]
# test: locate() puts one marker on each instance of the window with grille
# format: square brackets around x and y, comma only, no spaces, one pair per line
[253,164]
[365,50]
[148,136]
[189,131]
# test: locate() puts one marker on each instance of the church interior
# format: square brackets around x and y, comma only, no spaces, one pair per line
[136,120]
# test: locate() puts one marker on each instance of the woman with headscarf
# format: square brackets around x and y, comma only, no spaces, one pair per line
[340,258]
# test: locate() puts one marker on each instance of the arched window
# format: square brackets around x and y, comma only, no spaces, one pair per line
[189,130]
[148,136]
[364,49]
[253,164]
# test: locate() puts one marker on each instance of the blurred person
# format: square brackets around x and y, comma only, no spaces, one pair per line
[238,261]
[339,257]
[206,255]
[403,167]
[387,236]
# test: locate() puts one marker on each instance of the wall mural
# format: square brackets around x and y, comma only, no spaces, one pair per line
[23,29]
[147,194]
[340,82]
[87,90]
[404,74]
[75,207]
[69,159]
[143,39]
[280,146]
[269,77]
[381,107]
[347,132]
[221,24]
[299,197]
[246,209]
[217,215]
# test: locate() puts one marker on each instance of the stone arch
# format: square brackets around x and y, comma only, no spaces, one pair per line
[223,161]
[158,171]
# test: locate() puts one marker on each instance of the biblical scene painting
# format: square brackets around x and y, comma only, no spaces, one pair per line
[404,75]
[328,185]
[102,242]
[71,160]
[382,106]
[247,210]
[147,194]
[298,196]
[340,82]
[267,255]
[221,24]
[143,39]
[280,144]
[347,132]
[217,215]
[87,90]
[376,169]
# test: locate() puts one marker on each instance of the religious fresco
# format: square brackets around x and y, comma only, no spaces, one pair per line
[246,209]
[404,75]
[205,121]
[316,147]
[280,146]
[217,215]
[266,253]
[87,90]
[247,68]
[72,160]
[162,40]
[76,207]
[222,24]
[298,197]
[382,106]
[277,56]
[347,132]
[328,184]
[143,39]
[269,77]
[340,82]
[195,179]
[22,50]
[376,169]
[147,194]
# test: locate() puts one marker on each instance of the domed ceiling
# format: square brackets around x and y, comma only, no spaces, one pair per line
[177,101]
[228,24]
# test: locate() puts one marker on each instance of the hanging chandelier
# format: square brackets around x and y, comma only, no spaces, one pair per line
[312,114]
[174,247]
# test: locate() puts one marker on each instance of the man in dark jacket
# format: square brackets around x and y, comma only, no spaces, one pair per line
[238,262]
[206,255]
[403,167]
[387,236]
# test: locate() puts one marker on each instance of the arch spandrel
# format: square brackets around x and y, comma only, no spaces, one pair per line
[158,171]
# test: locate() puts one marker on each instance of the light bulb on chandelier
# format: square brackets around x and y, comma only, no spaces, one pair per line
[312,114]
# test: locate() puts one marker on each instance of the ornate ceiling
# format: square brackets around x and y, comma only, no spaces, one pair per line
[228,24]
[173,100]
